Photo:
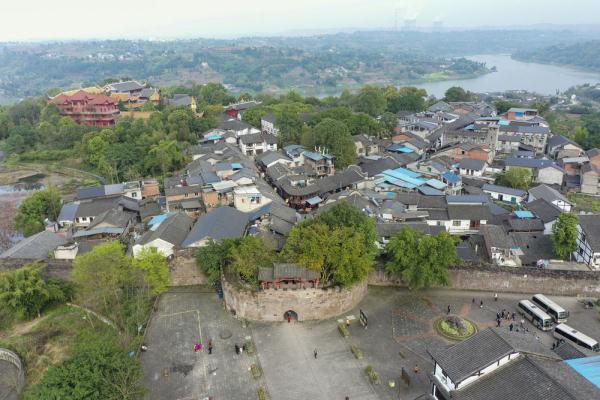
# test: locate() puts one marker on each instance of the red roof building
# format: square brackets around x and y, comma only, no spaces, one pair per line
[87,109]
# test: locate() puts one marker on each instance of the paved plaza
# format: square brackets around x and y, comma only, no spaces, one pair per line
[399,332]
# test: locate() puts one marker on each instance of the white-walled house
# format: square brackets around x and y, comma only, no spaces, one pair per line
[268,124]
[257,143]
[551,195]
[545,211]
[472,167]
[588,240]
[463,364]
[506,194]
[249,198]
[166,237]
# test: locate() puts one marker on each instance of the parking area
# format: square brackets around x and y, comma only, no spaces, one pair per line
[399,333]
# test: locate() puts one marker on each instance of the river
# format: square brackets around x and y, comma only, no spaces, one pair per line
[516,75]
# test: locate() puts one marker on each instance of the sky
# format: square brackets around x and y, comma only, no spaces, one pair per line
[23,20]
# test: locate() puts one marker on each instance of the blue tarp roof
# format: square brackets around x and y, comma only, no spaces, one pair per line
[588,367]
[236,165]
[451,177]
[524,214]
[158,219]
[314,200]
[214,137]
[434,183]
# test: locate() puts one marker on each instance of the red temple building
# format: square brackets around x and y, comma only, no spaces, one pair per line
[87,108]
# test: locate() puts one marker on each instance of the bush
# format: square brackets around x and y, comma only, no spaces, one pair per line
[373,376]
[344,330]
[262,394]
[256,371]
[358,354]
[249,346]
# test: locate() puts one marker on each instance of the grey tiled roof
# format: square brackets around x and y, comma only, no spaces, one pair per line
[591,226]
[504,190]
[36,247]
[547,193]
[469,212]
[173,230]
[472,355]
[520,379]
[545,211]
[471,163]
[221,223]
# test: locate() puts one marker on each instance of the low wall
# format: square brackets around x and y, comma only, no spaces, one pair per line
[53,269]
[516,280]
[18,380]
[308,304]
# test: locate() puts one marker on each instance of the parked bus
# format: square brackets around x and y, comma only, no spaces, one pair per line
[564,331]
[557,313]
[536,315]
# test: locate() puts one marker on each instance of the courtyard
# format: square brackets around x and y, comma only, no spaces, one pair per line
[399,332]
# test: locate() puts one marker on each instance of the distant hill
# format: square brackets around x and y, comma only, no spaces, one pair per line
[583,55]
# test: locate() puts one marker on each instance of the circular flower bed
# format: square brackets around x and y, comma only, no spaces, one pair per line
[455,328]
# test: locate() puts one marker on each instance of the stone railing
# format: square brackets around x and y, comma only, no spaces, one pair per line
[12,358]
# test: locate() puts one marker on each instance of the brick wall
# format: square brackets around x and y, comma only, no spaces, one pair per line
[516,280]
[309,304]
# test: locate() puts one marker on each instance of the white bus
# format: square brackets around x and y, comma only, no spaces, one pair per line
[536,315]
[557,313]
[564,331]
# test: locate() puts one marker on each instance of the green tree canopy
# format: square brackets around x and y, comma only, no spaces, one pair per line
[334,136]
[370,100]
[338,254]
[344,215]
[421,260]
[247,255]
[26,293]
[156,269]
[516,178]
[99,369]
[212,258]
[564,235]
[35,209]
[456,93]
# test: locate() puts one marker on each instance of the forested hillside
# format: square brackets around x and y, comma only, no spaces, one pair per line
[584,55]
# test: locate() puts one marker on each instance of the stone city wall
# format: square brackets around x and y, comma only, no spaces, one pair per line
[516,280]
[308,304]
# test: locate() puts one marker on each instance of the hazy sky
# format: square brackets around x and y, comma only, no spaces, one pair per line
[52,19]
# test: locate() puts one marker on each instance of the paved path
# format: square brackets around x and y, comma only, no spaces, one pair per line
[291,371]
[175,372]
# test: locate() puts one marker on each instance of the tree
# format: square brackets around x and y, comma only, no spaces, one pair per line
[156,269]
[361,123]
[290,128]
[26,293]
[564,235]
[516,178]
[212,258]
[344,215]
[35,209]
[456,93]
[164,156]
[247,255]
[179,123]
[99,369]
[338,254]
[100,276]
[406,99]
[421,260]
[370,100]
[334,136]
[388,122]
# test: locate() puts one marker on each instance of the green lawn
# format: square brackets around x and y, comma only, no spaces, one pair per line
[584,202]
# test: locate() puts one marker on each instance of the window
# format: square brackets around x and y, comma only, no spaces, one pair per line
[455,223]
[134,194]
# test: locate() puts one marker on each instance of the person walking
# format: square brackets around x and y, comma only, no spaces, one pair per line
[197,347]
[510,327]
[495,296]
[210,346]
[448,311]
[315,354]
[481,304]
[289,317]
[237,349]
